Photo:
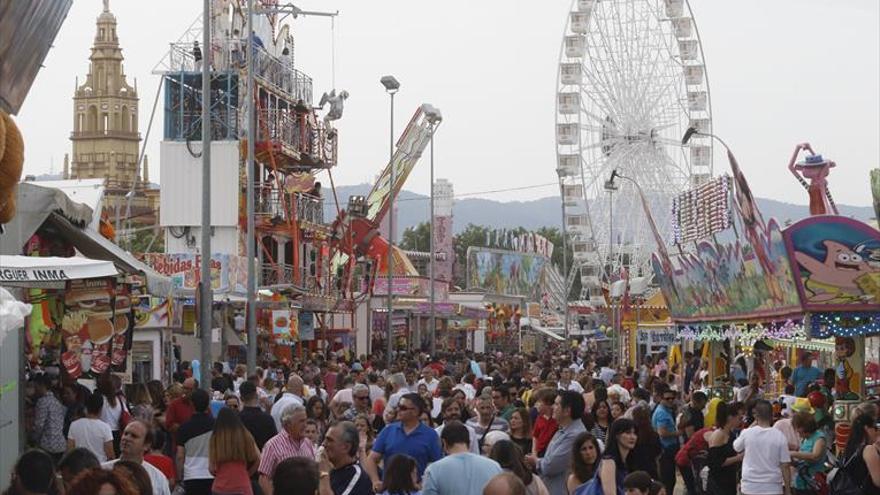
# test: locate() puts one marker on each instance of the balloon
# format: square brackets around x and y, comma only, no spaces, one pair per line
[196,369]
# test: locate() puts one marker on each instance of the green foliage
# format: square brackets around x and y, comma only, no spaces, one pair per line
[417,238]
[473,235]
[142,241]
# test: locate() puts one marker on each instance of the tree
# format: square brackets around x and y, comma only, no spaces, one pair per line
[473,235]
[142,241]
[417,238]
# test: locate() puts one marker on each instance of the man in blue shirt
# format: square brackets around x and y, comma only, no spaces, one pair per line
[461,472]
[408,435]
[663,422]
[804,375]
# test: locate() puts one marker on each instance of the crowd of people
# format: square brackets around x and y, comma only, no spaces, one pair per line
[565,423]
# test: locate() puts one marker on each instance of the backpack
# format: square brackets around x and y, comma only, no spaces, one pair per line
[840,480]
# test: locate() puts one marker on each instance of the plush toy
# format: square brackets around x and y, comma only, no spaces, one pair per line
[11,162]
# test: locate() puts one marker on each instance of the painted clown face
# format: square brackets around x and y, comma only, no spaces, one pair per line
[841,267]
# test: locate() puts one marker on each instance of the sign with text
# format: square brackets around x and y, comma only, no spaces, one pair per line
[32,269]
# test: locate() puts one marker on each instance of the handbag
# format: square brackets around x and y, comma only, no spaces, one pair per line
[594,486]
[840,481]
[124,416]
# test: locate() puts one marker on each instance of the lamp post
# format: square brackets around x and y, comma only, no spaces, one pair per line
[692,131]
[434,118]
[391,87]
[610,187]
[206,297]
[250,307]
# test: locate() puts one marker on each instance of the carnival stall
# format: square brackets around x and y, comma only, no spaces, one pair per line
[751,289]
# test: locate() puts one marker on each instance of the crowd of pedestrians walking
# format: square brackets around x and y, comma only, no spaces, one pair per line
[567,423]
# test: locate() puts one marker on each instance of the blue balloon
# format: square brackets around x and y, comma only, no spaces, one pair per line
[196,369]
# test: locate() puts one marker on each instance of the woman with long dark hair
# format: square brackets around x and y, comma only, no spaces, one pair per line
[233,456]
[585,452]
[140,403]
[113,408]
[509,456]
[617,459]
[646,455]
[521,430]
[601,419]
[723,461]
[400,476]
[34,472]
[366,435]
[861,455]
[316,409]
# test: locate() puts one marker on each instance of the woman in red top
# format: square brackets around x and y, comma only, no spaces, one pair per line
[161,461]
[545,426]
[233,456]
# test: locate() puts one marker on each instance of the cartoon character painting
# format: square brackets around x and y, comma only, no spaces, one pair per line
[832,280]
[847,384]
[837,263]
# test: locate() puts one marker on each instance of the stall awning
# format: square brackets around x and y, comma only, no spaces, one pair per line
[45,206]
[31,271]
[536,326]
[93,245]
[34,204]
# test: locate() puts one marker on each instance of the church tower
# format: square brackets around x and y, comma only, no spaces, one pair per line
[105,133]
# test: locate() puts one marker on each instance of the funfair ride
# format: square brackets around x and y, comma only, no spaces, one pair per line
[631,80]
[321,267]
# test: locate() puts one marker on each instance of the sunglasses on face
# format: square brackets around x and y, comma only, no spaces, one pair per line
[669,398]
[405,408]
[365,397]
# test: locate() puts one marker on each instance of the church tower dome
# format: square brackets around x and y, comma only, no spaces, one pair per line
[105,135]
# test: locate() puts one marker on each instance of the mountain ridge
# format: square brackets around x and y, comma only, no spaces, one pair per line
[542,212]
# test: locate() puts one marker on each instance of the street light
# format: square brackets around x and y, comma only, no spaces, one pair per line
[434,117]
[391,87]
[205,293]
[692,131]
[610,186]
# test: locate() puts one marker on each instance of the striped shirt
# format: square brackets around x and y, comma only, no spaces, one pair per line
[282,447]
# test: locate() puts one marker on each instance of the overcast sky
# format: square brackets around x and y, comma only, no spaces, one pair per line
[781,72]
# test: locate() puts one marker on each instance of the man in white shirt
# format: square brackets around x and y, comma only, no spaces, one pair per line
[399,389]
[606,373]
[412,381]
[136,441]
[566,383]
[90,432]
[766,463]
[376,392]
[452,412]
[428,379]
[467,386]
[291,397]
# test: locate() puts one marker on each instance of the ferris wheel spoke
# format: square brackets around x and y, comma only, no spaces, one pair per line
[609,61]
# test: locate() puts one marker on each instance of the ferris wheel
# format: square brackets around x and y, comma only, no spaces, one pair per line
[631,80]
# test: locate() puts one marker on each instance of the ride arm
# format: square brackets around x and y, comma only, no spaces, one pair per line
[793,162]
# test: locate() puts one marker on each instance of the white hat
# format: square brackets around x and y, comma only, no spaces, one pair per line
[494,436]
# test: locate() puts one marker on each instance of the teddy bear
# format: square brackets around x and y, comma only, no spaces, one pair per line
[11,163]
